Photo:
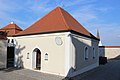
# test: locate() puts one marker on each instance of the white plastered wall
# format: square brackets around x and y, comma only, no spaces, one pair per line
[62,59]
[46,44]
[77,63]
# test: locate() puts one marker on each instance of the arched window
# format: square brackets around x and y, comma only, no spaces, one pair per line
[93,52]
[86,53]
[46,56]
[27,55]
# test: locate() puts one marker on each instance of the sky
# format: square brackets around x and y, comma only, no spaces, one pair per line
[103,15]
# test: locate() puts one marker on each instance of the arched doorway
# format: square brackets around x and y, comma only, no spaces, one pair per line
[36,59]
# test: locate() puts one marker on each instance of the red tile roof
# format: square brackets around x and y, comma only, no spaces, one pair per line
[11,29]
[56,20]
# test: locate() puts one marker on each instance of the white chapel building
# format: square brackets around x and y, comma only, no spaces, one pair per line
[56,44]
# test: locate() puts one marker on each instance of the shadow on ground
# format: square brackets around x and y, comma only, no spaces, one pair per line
[10,69]
[109,71]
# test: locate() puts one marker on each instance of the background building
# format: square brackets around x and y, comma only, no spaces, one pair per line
[3,49]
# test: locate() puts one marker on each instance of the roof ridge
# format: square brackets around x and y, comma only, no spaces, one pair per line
[63,18]
[36,22]
[17,27]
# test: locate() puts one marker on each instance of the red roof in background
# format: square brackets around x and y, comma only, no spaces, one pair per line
[56,20]
[109,46]
[11,29]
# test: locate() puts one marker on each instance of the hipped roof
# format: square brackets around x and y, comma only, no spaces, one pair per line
[11,29]
[56,20]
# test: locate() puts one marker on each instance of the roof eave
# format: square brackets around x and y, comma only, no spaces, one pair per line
[57,32]
[41,33]
[92,37]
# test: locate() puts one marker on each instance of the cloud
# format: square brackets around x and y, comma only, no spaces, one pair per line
[39,6]
[85,14]
[109,32]
[105,29]
[71,3]
[118,35]
[7,10]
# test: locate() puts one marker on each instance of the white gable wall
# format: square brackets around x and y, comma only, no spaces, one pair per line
[46,44]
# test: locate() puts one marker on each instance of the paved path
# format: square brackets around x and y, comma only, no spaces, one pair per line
[25,74]
[109,71]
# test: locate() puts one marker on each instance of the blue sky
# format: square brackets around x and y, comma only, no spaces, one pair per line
[92,14]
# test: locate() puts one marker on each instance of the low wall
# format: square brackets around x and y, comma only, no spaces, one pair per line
[109,51]
[3,53]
